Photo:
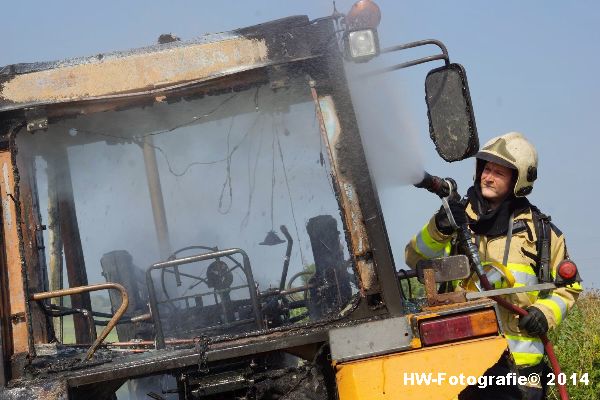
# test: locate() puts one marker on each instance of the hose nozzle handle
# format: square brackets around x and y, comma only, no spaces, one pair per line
[436,185]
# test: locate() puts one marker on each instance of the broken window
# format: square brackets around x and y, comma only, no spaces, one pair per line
[228,196]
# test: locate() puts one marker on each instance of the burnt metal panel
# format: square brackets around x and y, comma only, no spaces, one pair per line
[153,69]
[16,328]
[31,229]
[352,162]
[360,204]
[370,339]
[352,215]
[133,73]
[164,361]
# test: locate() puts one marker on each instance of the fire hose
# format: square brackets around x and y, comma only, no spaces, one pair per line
[444,188]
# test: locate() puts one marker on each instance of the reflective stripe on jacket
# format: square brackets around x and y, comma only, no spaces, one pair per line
[526,350]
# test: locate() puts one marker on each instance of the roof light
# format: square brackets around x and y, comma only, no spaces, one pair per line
[362,20]
[463,326]
[363,45]
[364,14]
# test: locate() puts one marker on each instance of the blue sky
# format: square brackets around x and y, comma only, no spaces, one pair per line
[531,67]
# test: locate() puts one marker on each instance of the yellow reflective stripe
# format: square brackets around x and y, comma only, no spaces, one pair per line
[424,251]
[525,279]
[524,268]
[526,350]
[553,307]
[556,304]
[533,295]
[431,243]
[519,284]
[527,358]
[428,247]
[576,286]
[523,274]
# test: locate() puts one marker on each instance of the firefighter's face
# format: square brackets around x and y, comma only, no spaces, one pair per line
[496,182]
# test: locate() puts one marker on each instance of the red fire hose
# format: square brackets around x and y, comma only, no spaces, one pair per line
[473,254]
[464,236]
[562,389]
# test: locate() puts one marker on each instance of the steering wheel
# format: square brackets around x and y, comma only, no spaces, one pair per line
[302,295]
[217,274]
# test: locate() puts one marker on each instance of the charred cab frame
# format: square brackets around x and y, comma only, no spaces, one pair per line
[292,45]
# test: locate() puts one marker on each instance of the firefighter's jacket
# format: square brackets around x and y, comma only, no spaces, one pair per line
[526,350]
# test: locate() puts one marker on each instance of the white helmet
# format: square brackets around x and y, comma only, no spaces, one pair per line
[513,151]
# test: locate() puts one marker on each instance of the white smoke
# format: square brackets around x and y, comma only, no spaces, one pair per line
[388,132]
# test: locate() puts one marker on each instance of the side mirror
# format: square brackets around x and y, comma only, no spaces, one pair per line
[451,120]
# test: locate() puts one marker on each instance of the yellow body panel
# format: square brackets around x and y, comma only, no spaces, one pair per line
[383,377]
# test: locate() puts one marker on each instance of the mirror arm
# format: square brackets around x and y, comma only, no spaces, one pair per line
[444,56]
[418,43]
[410,64]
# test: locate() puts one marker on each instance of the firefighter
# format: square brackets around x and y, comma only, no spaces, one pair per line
[506,168]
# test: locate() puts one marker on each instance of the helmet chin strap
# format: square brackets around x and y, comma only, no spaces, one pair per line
[511,222]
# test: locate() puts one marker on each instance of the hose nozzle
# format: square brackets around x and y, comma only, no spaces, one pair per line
[435,184]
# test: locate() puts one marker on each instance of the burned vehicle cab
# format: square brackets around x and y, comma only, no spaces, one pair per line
[202,210]
[165,179]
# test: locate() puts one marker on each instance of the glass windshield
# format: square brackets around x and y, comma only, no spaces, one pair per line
[244,170]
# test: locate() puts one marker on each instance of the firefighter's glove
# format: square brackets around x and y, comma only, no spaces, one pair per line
[457,208]
[535,323]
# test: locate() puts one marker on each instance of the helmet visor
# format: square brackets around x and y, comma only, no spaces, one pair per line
[485,156]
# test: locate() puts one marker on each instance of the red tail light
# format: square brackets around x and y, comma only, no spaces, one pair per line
[456,327]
